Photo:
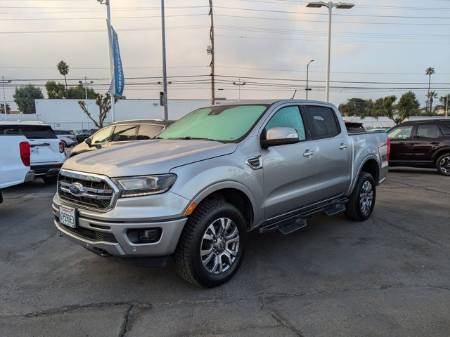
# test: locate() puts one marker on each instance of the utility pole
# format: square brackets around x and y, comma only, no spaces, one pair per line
[239,84]
[4,94]
[85,84]
[163,31]
[211,51]
[308,89]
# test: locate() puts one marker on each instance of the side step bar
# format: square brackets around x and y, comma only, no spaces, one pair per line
[298,220]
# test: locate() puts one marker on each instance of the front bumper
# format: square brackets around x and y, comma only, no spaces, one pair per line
[107,237]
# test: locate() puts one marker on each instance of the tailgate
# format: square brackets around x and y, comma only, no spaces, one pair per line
[45,151]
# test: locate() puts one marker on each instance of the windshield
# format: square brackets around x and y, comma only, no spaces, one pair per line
[221,123]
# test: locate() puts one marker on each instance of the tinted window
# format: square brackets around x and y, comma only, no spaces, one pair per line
[288,117]
[148,131]
[29,131]
[221,123]
[402,132]
[428,131]
[322,122]
[102,136]
[445,128]
[124,133]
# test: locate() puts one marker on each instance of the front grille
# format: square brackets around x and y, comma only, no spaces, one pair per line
[92,235]
[92,191]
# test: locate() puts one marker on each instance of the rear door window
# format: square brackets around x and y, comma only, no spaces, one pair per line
[428,131]
[29,131]
[123,133]
[322,121]
[445,128]
[149,131]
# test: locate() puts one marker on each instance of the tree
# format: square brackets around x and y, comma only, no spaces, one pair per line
[25,96]
[63,69]
[357,107]
[431,96]
[429,72]
[55,90]
[80,92]
[104,106]
[445,101]
[2,109]
[385,106]
[408,105]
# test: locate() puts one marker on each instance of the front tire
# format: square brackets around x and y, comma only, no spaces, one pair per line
[443,164]
[362,200]
[212,244]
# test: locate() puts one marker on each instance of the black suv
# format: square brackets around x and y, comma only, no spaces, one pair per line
[120,132]
[424,143]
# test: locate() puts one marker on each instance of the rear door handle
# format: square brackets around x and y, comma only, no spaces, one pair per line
[308,154]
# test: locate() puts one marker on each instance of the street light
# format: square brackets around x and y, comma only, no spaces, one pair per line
[85,84]
[330,5]
[308,89]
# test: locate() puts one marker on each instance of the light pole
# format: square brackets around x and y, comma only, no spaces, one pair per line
[85,84]
[330,5]
[107,3]
[239,84]
[163,32]
[308,89]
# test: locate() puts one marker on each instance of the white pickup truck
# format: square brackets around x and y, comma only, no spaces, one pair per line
[15,153]
[47,151]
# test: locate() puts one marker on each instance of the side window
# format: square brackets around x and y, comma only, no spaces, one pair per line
[322,122]
[445,128]
[102,136]
[124,133]
[428,131]
[401,133]
[288,117]
[148,131]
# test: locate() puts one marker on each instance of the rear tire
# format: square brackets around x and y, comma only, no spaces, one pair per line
[212,244]
[362,200]
[443,164]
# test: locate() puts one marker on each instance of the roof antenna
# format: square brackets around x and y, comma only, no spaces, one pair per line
[295,93]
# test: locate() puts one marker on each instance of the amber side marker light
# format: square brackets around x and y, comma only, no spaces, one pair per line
[190,209]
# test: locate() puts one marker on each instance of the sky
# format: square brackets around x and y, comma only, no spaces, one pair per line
[379,48]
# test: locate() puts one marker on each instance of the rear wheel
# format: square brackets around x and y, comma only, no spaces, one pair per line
[443,164]
[362,200]
[212,244]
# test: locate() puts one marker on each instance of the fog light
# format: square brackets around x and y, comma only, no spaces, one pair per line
[149,235]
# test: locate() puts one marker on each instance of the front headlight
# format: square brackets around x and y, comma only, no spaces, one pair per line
[145,185]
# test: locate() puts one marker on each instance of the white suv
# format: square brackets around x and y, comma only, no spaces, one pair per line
[47,151]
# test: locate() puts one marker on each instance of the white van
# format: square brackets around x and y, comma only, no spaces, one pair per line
[47,151]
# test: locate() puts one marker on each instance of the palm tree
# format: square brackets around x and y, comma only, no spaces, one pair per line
[429,72]
[63,69]
[431,96]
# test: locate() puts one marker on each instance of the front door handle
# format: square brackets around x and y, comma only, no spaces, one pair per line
[342,147]
[308,154]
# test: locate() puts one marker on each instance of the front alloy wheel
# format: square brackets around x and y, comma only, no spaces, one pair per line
[220,246]
[444,164]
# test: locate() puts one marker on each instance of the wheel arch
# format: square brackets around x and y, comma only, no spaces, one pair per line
[439,153]
[234,193]
[370,165]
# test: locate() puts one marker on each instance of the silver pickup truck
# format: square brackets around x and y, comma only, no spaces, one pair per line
[219,172]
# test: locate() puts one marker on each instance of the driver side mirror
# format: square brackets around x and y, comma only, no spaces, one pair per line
[88,141]
[279,136]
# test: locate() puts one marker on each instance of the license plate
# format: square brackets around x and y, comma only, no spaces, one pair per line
[67,216]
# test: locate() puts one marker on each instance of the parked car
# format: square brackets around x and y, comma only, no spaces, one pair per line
[424,143]
[14,161]
[68,137]
[47,151]
[120,132]
[214,175]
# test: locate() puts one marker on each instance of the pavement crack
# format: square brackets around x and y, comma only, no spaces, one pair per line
[285,323]
[126,319]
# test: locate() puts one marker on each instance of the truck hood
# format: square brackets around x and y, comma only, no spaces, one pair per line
[147,157]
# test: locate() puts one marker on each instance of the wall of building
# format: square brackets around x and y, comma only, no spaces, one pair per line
[66,114]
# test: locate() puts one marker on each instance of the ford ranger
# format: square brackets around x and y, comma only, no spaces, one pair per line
[219,172]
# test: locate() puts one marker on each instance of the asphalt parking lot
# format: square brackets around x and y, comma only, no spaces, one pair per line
[389,276]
